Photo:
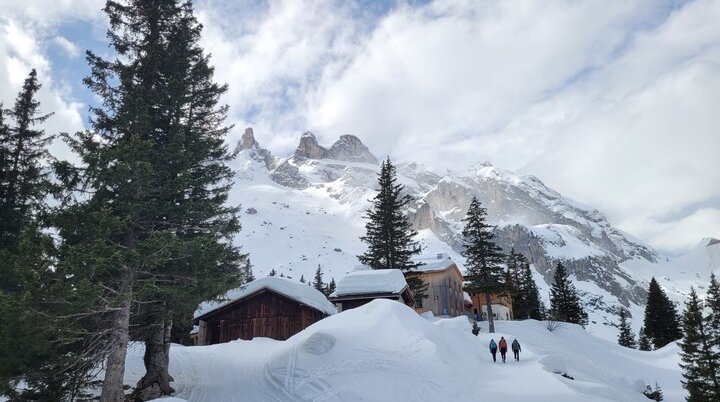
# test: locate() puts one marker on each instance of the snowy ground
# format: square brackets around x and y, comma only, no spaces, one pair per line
[384,351]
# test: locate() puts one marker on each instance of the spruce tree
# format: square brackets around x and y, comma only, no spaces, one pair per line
[155,228]
[661,321]
[712,322]
[625,337]
[643,341]
[330,287]
[533,306]
[525,295]
[272,272]
[27,337]
[699,371]
[389,234]
[483,258]
[565,304]
[318,281]
[248,273]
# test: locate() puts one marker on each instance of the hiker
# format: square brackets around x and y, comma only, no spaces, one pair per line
[516,349]
[503,348]
[493,348]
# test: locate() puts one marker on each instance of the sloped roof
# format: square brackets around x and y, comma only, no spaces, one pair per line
[298,291]
[434,263]
[371,281]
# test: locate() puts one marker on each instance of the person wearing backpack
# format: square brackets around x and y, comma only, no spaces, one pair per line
[493,349]
[503,348]
[516,349]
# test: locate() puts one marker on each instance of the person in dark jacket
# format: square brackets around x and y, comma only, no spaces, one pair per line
[516,349]
[503,348]
[493,348]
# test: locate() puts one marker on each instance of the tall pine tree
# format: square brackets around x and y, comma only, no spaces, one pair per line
[712,322]
[483,258]
[389,234]
[526,295]
[699,369]
[625,337]
[661,320]
[565,304]
[30,353]
[156,228]
[318,281]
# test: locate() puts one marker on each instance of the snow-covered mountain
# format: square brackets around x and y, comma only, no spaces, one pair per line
[307,209]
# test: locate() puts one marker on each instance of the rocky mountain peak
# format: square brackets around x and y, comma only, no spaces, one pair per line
[309,147]
[247,141]
[350,148]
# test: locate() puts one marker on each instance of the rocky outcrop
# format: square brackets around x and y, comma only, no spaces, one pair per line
[248,144]
[288,174]
[309,147]
[349,148]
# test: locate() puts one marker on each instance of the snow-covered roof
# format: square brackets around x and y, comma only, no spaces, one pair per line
[371,282]
[434,263]
[295,290]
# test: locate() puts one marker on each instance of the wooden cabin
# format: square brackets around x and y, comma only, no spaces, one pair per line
[363,286]
[271,307]
[445,287]
[501,306]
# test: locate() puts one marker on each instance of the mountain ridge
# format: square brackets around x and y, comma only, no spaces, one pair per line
[610,266]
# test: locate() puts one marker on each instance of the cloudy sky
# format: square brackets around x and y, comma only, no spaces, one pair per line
[615,104]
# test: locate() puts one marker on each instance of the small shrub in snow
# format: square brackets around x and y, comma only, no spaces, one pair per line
[475,328]
[251,211]
[654,393]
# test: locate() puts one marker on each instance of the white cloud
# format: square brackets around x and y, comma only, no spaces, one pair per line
[612,103]
[20,52]
[70,48]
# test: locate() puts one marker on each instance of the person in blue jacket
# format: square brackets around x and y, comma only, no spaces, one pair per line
[493,349]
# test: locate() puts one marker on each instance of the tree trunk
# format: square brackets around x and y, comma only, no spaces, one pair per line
[112,388]
[491,319]
[156,381]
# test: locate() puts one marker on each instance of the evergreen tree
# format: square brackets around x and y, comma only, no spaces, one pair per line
[699,369]
[533,306]
[643,341]
[155,228]
[475,328]
[27,337]
[272,272]
[625,337]
[525,295]
[330,287]
[318,281]
[661,320]
[302,278]
[389,234]
[483,258]
[712,323]
[565,304]
[248,273]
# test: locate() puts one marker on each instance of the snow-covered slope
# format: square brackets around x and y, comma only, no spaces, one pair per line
[384,351]
[308,209]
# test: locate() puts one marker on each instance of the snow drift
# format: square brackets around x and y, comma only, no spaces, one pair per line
[384,351]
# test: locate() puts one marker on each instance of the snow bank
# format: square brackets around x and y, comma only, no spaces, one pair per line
[384,351]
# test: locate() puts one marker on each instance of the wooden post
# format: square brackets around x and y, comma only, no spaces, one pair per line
[202,333]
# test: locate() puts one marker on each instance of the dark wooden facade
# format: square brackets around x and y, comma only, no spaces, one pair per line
[264,313]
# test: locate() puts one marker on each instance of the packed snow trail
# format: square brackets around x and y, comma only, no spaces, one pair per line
[384,351]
